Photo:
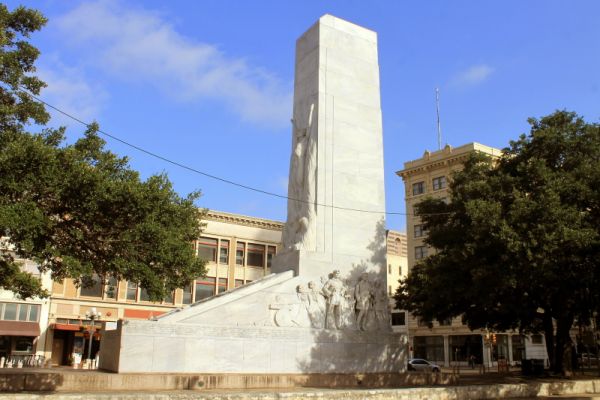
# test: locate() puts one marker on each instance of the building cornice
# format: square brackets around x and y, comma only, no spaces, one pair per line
[229,218]
[446,157]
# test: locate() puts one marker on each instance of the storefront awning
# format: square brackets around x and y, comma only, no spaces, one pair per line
[19,328]
[67,327]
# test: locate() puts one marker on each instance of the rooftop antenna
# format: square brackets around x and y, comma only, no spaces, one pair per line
[437,109]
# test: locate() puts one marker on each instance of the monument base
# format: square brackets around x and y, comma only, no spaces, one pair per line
[263,327]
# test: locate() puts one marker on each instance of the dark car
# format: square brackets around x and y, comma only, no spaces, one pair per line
[419,364]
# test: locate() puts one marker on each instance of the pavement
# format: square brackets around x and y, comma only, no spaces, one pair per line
[472,385]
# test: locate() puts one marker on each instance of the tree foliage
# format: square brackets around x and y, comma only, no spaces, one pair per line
[78,209]
[518,245]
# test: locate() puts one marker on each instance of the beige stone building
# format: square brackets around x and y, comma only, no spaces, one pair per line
[451,342]
[23,322]
[397,268]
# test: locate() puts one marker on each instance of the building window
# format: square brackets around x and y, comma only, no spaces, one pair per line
[418,188]
[420,230]
[239,253]
[423,323]
[390,290]
[256,255]
[132,291]
[23,311]
[446,322]
[144,296]
[420,252]
[169,298]
[398,318]
[239,282]
[439,183]
[389,268]
[536,339]
[10,312]
[207,249]
[271,251]
[518,347]
[400,270]
[224,252]
[24,344]
[222,285]
[187,295]
[429,347]
[91,286]
[111,288]
[204,288]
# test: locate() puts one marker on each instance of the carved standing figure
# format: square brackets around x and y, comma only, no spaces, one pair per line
[362,294]
[302,317]
[334,292]
[299,230]
[381,305]
[316,309]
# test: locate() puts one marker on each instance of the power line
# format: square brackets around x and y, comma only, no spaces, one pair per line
[191,169]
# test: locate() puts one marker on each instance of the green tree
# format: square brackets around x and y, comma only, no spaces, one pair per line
[518,245]
[79,210]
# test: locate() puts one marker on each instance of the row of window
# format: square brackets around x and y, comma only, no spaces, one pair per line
[424,323]
[437,184]
[202,288]
[246,254]
[19,312]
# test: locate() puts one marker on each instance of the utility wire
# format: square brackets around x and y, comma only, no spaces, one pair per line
[186,167]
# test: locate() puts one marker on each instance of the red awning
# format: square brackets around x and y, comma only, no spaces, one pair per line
[66,327]
[19,328]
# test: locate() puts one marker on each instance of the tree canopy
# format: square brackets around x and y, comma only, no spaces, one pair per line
[517,247]
[79,210]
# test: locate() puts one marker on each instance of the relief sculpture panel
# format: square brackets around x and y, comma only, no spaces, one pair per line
[334,304]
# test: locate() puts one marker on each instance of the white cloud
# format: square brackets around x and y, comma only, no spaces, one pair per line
[70,91]
[141,46]
[472,76]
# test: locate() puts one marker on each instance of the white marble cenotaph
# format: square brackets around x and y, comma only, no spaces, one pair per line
[324,309]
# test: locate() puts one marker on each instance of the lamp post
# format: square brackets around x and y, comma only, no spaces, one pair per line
[92,314]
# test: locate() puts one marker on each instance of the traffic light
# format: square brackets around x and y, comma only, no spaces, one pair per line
[493,338]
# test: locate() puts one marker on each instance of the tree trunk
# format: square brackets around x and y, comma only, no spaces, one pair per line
[563,346]
[549,336]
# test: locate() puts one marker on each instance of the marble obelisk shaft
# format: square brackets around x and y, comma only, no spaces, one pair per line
[336,183]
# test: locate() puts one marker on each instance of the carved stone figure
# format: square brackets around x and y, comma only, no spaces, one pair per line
[285,312]
[334,291]
[299,232]
[348,313]
[302,317]
[316,308]
[381,305]
[363,295]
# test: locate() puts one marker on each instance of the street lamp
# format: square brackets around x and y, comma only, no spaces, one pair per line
[92,314]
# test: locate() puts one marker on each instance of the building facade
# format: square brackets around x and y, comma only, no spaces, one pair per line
[451,342]
[397,268]
[23,322]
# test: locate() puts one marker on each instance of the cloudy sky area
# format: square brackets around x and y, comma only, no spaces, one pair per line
[209,83]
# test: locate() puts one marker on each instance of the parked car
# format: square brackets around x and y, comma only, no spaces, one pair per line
[419,364]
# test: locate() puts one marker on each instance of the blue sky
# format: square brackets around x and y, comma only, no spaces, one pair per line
[209,83]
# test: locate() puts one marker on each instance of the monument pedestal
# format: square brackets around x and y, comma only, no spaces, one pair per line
[259,328]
